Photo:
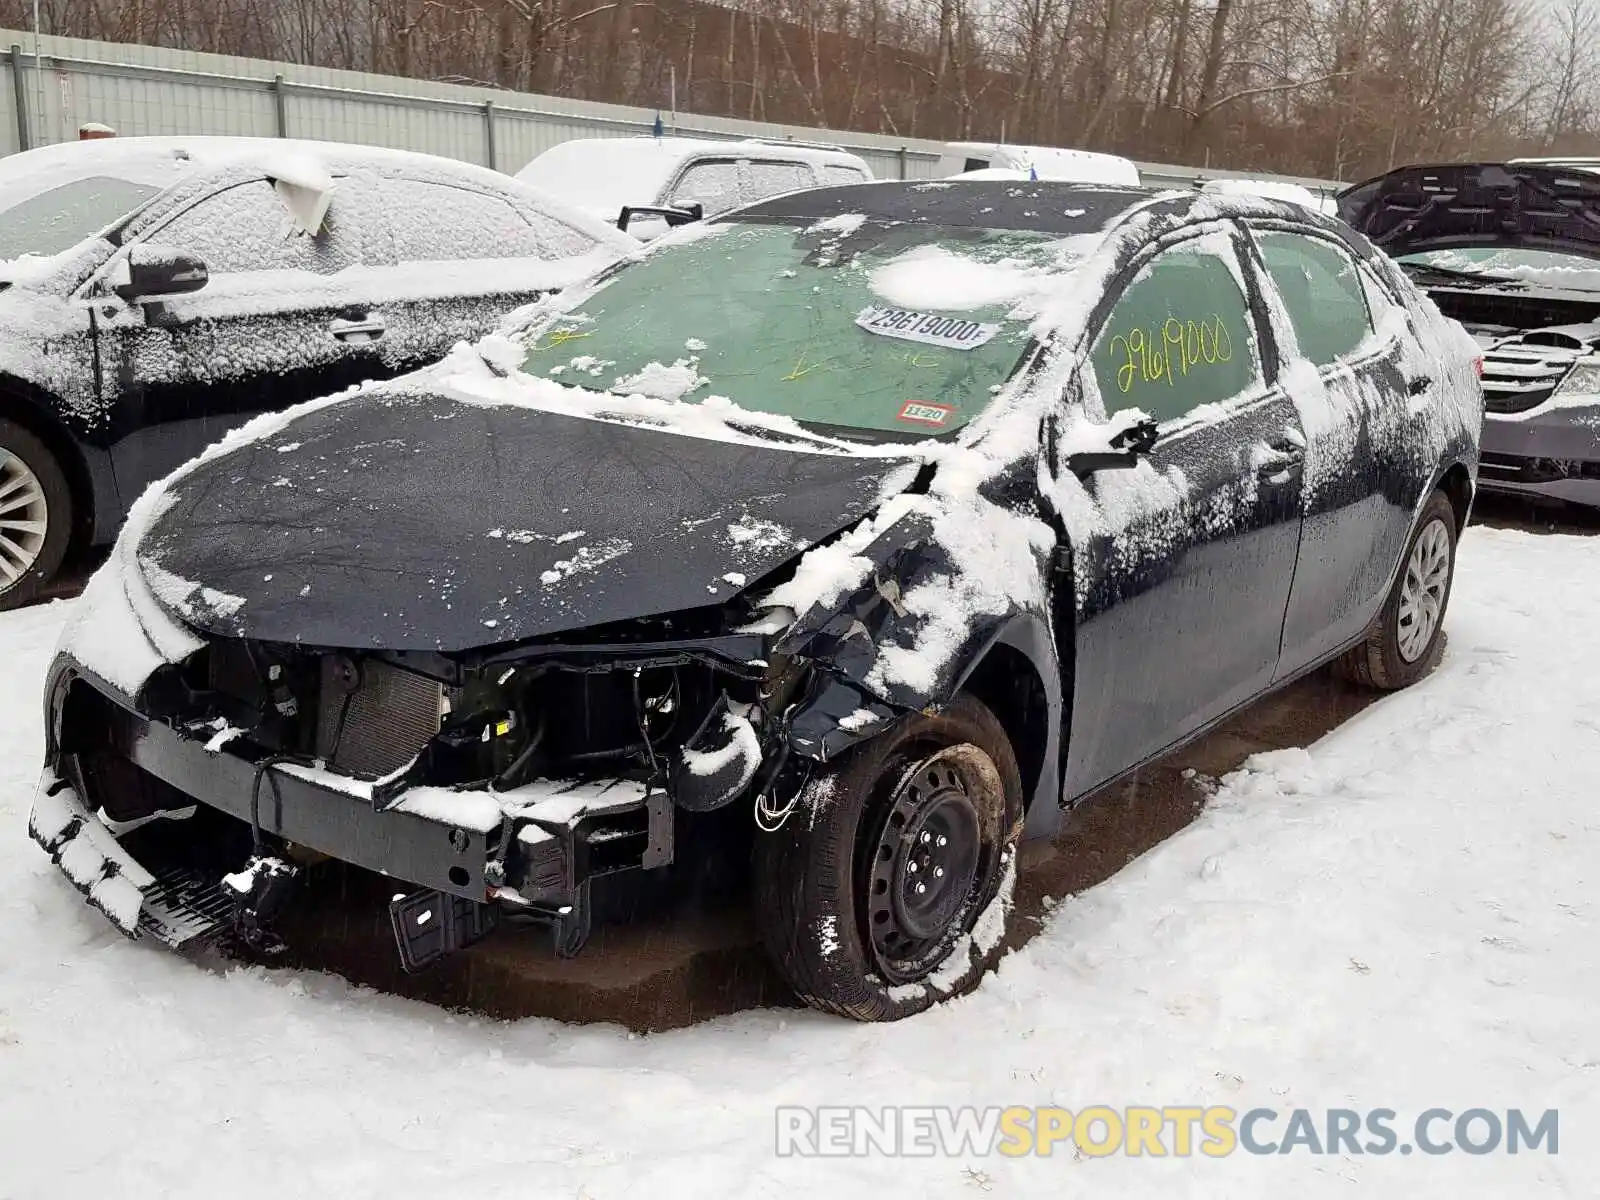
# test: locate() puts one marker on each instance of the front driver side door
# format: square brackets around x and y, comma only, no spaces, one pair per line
[1180,567]
[279,321]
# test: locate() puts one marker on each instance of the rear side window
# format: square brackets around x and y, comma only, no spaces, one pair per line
[774,178]
[434,222]
[838,175]
[713,184]
[1180,336]
[1322,292]
[248,228]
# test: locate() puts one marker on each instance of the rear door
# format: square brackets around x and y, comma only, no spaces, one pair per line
[1358,407]
[457,259]
[281,320]
[1181,566]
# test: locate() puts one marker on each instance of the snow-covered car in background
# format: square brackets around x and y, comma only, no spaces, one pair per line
[605,176]
[856,534]
[1273,189]
[965,159]
[1512,251]
[157,292]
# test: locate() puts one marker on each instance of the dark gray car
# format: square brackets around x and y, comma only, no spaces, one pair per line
[1512,251]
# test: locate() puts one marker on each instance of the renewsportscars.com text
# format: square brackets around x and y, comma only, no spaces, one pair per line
[1159,1131]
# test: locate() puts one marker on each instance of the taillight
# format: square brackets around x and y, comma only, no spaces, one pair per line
[1477,366]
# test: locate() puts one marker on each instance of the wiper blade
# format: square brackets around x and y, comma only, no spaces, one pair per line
[1453,273]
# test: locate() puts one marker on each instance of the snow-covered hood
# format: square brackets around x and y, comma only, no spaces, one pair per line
[408,520]
[1422,208]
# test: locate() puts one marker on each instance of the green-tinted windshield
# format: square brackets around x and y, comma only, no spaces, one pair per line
[860,329]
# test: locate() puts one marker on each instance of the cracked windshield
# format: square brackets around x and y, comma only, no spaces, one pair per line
[874,331]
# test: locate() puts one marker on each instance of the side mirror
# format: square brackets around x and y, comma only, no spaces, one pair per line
[1138,438]
[674,217]
[1129,445]
[155,272]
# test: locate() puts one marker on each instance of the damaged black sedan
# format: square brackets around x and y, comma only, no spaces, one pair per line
[840,543]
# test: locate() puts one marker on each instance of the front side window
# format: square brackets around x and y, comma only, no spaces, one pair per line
[51,221]
[714,184]
[247,227]
[434,222]
[877,331]
[1322,292]
[1180,336]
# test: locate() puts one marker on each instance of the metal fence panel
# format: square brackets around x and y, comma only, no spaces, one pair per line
[153,90]
[10,76]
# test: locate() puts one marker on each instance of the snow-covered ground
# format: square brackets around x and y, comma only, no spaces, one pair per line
[1403,916]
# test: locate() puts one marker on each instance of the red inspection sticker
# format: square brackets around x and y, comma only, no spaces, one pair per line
[926,412]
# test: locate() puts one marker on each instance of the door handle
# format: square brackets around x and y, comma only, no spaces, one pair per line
[364,329]
[1279,461]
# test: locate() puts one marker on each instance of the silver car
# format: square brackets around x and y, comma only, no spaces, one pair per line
[1512,251]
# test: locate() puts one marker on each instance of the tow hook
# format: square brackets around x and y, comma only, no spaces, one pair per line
[260,893]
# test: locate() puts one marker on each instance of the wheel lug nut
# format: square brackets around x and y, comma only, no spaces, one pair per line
[943,840]
[921,887]
[912,865]
[926,836]
[938,872]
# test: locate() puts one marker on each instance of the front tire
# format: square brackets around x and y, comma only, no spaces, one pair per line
[1407,638]
[887,888]
[35,516]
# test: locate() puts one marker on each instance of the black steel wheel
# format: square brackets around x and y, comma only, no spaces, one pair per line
[887,888]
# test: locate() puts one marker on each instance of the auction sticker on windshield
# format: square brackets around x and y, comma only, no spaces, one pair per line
[925,412]
[932,329]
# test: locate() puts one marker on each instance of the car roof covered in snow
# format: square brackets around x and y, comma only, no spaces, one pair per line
[1049,206]
[164,160]
[158,163]
[603,173]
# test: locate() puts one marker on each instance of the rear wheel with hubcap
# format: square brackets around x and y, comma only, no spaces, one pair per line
[1407,638]
[35,516]
[886,889]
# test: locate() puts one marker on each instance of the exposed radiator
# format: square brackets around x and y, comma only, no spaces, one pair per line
[373,718]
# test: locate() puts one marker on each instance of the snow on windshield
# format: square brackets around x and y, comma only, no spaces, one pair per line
[853,328]
[1545,267]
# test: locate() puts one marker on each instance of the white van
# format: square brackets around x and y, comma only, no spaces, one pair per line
[601,176]
[1041,162]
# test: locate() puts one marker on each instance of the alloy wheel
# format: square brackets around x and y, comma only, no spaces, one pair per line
[1422,593]
[24,519]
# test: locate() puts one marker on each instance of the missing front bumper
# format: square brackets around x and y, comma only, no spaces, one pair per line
[533,850]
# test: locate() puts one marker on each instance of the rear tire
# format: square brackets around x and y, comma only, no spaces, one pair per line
[35,516]
[935,798]
[1407,637]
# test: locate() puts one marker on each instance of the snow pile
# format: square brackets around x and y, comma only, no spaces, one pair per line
[659,381]
[941,280]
